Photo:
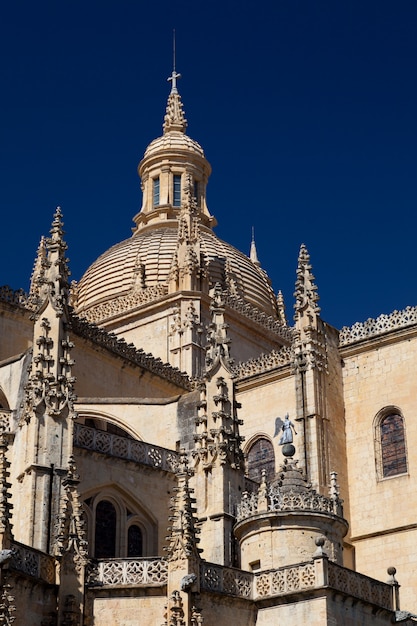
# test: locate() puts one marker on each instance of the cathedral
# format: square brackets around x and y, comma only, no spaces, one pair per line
[176,451]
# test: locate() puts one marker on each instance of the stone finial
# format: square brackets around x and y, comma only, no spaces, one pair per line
[38,276]
[57,273]
[320,553]
[391,571]
[253,255]
[281,309]
[306,297]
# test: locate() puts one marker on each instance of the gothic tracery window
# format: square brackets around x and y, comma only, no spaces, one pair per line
[260,457]
[391,451]
[117,528]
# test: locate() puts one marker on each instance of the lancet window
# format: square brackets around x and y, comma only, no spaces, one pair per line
[105,530]
[390,443]
[260,457]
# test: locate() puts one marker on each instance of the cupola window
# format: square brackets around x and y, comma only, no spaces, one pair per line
[156,191]
[177,190]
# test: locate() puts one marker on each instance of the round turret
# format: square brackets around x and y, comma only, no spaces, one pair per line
[279,524]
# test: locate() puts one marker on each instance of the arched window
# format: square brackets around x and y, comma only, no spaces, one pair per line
[261,457]
[105,531]
[391,451]
[134,541]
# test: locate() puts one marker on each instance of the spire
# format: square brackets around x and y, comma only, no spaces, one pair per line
[38,275]
[174,75]
[281,308]
[306,297]
[253,254]
[183,538]
[218,341]
[58,268]
[174,119]
[50,273]
[186,270]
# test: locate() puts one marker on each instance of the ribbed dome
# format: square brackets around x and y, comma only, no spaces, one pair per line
[173,230]
[173,141]
[150,253]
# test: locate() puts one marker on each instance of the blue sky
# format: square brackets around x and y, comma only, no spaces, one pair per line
[306,110]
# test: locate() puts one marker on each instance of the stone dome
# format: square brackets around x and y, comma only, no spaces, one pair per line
[142,264]
[173,235]
[174,140]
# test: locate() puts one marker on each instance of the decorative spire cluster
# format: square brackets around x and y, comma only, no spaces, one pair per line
[5,495]
[310,348]
[183,534]
[218,342]
[50,273]
[51,380]
[70,531]
[306,297]
[186,269]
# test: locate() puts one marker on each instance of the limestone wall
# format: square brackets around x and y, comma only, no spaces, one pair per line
[151,422]
[16,330]
[102,374]
[34,601]
[261,405]
[129,611]
[323,611]
[382,375]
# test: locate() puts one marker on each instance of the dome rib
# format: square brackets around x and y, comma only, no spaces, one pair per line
[113,274]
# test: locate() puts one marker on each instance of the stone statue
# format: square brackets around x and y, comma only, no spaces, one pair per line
[287,430]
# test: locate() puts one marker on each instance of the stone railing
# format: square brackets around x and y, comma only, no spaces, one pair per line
[6,420]
[32,562]
[125,572]
[136,298]
[125,448]
[284,580]
[219,579]
[278,500]
[302,501]
[359,586]
[18,296]
[263,363]
[258,316]
[317,573]
[379,326]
